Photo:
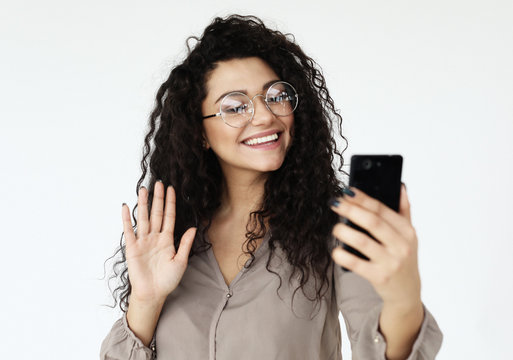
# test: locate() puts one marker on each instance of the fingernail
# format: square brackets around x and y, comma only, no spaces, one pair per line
[348,192]
[123,204]
[159,180]
[404,185]
[333,202]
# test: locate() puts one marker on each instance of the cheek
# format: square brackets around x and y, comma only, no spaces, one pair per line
[210,130]
[219,134]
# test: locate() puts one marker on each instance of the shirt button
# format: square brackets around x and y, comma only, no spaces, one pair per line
[228,295]
[376,339]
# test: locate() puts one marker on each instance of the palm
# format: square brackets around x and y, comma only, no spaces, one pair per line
[155,268]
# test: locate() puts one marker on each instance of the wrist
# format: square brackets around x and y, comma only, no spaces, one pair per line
[149,304]
[405,309]
[400,325]
[142,317]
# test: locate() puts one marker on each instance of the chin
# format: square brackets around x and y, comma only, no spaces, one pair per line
[268,167]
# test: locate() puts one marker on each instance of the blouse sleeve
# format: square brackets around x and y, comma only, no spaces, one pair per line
[361,307]
[122,344]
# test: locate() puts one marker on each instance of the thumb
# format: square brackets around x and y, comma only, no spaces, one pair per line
[404,203]
[186,244]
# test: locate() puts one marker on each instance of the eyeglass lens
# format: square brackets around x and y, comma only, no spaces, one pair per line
[237,108]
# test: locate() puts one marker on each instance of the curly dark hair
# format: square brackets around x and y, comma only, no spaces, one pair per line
[295,195]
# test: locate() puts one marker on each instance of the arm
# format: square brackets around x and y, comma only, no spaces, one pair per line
[391,272]
[400,327]
[142,319]
[122,344]
[155,269]
[362,309]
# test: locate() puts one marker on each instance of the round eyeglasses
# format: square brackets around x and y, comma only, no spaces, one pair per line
[237,109]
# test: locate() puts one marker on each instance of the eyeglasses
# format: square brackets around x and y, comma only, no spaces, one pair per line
[237,109]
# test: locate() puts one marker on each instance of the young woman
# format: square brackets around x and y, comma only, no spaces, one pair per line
[235,252]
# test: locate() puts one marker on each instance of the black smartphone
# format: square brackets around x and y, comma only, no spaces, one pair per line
[379,176]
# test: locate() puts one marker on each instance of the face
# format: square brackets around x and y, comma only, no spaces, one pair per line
[251,76]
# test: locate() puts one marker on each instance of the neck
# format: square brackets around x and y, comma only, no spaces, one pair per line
[242,193]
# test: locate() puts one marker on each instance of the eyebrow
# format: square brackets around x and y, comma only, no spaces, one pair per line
[265,86]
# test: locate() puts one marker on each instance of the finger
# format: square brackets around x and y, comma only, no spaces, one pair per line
[127,225]
[365,201]
[374,224]
[142,212]
[364,268]
[170,211]
[404,203]
[185,245]
[156,207]
[361,242]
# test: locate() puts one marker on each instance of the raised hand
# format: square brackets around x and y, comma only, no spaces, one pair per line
[155,268]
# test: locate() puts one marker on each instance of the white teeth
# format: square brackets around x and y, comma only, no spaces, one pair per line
[262,139]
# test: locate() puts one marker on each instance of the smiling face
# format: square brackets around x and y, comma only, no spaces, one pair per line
[241,149]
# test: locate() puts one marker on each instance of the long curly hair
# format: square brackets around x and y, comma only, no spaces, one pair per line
[295,195]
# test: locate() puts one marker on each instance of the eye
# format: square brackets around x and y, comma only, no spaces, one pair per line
[235,104]
[279,98]
[236,109]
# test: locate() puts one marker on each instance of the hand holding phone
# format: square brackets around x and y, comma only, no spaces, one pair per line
[392,266]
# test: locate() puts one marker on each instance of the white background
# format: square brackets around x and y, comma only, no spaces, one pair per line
[430,80]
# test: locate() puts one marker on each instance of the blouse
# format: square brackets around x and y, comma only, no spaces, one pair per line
[204,318]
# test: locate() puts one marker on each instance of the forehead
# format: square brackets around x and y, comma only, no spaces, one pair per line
[239,74]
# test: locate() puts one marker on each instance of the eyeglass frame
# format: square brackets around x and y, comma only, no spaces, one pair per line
[253,105]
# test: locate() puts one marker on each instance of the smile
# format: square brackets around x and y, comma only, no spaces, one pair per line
[268,142]
[262,140]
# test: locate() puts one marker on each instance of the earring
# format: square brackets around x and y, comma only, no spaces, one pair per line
[205,144]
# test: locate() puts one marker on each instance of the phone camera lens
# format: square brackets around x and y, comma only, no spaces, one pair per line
[367,164]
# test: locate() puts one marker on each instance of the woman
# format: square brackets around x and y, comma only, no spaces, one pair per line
[241,173]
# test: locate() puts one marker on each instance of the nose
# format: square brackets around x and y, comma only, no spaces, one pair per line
[262,115]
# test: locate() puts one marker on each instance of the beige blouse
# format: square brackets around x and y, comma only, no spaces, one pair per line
[203,318]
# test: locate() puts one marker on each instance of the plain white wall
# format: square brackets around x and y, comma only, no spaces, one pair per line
[429,80]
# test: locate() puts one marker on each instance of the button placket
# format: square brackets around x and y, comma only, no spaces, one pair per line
[228,291]
[153,348]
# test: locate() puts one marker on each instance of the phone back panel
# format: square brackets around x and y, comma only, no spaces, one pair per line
[379,176]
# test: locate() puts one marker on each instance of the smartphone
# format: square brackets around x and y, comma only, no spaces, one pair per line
[379,176]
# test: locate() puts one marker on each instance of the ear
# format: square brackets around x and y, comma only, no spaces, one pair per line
[205,144]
